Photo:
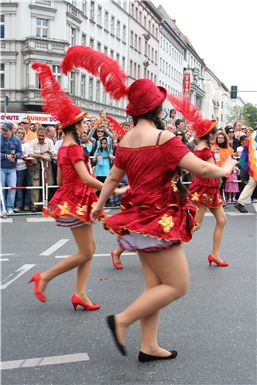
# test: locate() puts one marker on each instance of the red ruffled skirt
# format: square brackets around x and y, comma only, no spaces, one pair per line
[72,200]
[171,222]
[205,192]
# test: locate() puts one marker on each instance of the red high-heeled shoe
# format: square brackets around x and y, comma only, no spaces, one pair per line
[36,278]
[75,300]
[218,263]
[116,265]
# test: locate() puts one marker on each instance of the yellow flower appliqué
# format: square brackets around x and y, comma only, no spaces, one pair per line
[81,209]
[166,222]
[195,197]
[174,186]
[65,208]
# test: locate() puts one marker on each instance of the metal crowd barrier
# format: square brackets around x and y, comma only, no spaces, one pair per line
[45,187]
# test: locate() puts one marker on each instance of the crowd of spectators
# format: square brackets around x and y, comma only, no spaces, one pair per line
[26,148]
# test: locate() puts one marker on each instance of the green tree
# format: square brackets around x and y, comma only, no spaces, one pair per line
[250,115]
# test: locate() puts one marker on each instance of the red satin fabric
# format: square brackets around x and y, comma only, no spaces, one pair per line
[73,198]
[205,191]
[151,206]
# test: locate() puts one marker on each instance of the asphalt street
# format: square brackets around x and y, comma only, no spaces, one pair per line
[213,326]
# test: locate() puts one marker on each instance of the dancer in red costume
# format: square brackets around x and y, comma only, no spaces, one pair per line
[154,220]
[205,193]
[72,203]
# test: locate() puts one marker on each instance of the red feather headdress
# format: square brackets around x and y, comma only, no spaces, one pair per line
[98,64]
[56,102]
[116,127]
[201,126]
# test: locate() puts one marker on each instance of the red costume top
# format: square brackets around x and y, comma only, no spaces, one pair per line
[73,198]
[205,191]
[151,206]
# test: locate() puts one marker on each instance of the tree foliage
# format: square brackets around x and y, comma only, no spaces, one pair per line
[250,115]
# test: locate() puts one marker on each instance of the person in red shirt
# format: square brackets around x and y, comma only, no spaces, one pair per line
[155,217]
[73,201]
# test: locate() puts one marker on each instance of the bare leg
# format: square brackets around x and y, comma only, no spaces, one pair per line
[117,253]
[84,269]
[199,216]
[170,268]
[221,220]
[86,246]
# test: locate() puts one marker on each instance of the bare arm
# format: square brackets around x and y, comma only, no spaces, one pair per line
[86,178]
[111,182]
[205,169]
[59,176]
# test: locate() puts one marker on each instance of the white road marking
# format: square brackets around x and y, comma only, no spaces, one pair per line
[255,206]
[53,248]
[13,276]
[234,214]
[95,255]
[7,220]
[5,255]
[4,259]
[40,219]
[43,361]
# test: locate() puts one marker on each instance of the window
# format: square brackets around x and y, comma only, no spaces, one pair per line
[2,34]
[72,36]
[83,87]
[92,10]
[84,7]
[57,73]
[106,50]
[90,89]
[123,62]
[2,76]
[72,83]
[112,24]
[91,43]
[83,39]
[124,32]
[135,70]
[139,44]
[138,71]
[131,38]
[130,67]
[118,29]
[98,46]
[106,20]
[99,15]
[135,46]
[42,27]
[111,53]
[97,91]
[118,57]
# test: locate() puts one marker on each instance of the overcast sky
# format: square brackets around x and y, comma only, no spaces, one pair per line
[224,34]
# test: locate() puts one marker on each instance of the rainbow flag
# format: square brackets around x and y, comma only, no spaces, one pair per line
[248,159]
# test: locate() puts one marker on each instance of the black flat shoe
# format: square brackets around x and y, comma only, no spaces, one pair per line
[143,357]
[111,324]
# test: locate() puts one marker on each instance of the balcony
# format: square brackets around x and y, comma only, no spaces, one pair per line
[44,3]
[45,45]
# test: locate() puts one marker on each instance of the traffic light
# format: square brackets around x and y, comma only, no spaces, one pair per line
[233,92]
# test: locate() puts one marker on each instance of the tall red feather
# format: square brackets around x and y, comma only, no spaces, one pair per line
[188,109]
[192,114]
[56,102]
[116,127]
[98,64]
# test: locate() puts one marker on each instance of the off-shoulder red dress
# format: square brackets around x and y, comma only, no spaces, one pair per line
[152,216]
[74,200]
[205,191]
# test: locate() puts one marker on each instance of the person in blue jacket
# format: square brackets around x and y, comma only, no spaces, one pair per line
[10,151]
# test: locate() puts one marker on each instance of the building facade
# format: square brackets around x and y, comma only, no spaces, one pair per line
[142,38]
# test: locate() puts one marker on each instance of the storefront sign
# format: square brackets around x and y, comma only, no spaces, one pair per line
[35,118]
[186,85]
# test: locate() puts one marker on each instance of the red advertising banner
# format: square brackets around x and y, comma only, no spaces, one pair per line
[187,84]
